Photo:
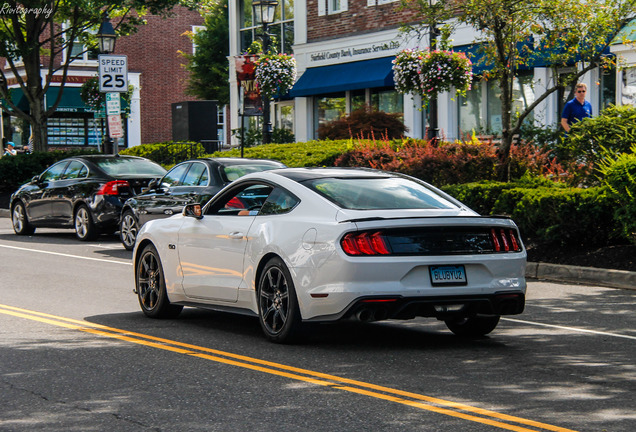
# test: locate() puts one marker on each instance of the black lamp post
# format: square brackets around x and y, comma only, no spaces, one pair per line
[433,127]
[264,11]
[106,37]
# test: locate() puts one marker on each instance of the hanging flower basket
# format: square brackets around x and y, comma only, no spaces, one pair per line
[275,74]
[427,73]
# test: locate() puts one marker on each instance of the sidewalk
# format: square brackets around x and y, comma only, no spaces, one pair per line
[560,273]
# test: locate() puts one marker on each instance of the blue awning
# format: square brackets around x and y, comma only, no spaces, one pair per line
[346,76]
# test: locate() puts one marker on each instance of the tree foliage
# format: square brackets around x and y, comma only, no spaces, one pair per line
[208,66]
[514,34]
[36,37]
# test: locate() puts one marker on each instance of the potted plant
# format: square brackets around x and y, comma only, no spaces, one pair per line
[427,73]
[275,74]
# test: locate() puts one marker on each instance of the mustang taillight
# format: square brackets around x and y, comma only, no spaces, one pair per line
[112,187]
[365,243]
[504,240]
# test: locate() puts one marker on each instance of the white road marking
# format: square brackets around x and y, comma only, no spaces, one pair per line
[66,255]
[574,329]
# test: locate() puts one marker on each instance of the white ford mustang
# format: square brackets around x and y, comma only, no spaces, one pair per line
[295,246]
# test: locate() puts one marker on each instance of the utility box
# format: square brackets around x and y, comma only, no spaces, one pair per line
[194,121]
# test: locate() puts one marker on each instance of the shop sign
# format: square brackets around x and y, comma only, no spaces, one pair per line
[354,52]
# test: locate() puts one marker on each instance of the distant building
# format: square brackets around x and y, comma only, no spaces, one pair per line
[155,69]
[344,50]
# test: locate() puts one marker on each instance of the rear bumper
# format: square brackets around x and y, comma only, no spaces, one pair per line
[442,307]
[106,211]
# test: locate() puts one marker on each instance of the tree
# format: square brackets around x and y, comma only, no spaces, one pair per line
[37,35]
[208,66]
[513,34]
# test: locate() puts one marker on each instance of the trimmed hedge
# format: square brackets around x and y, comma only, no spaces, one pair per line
[307,154]
[19,169]
[547,214]
[167,153]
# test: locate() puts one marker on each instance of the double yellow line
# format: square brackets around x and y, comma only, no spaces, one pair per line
[440,406]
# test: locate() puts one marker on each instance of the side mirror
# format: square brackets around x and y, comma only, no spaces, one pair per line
[35,179]
[193,210]
[153,184]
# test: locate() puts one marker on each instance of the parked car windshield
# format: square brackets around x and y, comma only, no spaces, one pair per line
[124,166]
[233,172]
[378,193]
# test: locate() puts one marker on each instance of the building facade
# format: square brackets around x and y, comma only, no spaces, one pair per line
[344,49]
[155,70]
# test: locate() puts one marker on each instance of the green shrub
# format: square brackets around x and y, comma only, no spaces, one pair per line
[619,174]
[303,154]
[364,123]
[19,169]
[458,162]
[550,213]
[167,153]
[614,129]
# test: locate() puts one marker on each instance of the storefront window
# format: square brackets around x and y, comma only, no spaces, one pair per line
[282,29]
[285,117]
[470,111]
[358,99]
[75,131]
[522,97]
[387,100]
[608,87]
[329,108]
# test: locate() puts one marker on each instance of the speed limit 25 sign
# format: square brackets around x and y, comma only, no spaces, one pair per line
[113,73]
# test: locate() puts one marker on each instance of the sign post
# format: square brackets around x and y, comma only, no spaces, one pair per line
[113,79]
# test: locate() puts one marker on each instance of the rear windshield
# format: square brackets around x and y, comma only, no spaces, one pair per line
[124,166]
[233,172]
[378,193]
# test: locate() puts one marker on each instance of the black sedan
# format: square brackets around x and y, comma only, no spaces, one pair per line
[192,181]
[86,193]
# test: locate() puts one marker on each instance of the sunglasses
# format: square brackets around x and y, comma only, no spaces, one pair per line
[580,91]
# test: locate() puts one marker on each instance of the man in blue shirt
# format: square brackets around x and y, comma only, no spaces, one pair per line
[576,109]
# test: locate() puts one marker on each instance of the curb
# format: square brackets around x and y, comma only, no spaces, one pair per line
[559,273]
[582,275]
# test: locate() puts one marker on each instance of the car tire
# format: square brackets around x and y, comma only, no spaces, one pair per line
[128,229]
[85,229]
[151,286]
[20,221]
[278,309]
[475,326]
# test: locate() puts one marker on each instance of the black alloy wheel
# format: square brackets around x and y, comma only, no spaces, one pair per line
[278,310]
[84,226]
[20,222]
[475,326]
[151,286]
[128,229]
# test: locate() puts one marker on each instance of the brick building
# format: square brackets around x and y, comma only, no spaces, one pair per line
[344,50]
[155,69]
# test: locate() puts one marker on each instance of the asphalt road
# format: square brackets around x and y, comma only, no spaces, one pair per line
[76,354]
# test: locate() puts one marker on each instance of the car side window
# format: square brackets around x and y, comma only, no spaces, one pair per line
[173,177]
[245,201]
[54,172]
[279,201]
[196,175]
[75,170]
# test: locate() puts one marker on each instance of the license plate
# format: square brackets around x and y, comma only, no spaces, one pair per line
[448,275]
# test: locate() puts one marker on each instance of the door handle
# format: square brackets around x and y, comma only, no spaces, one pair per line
[236,235]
